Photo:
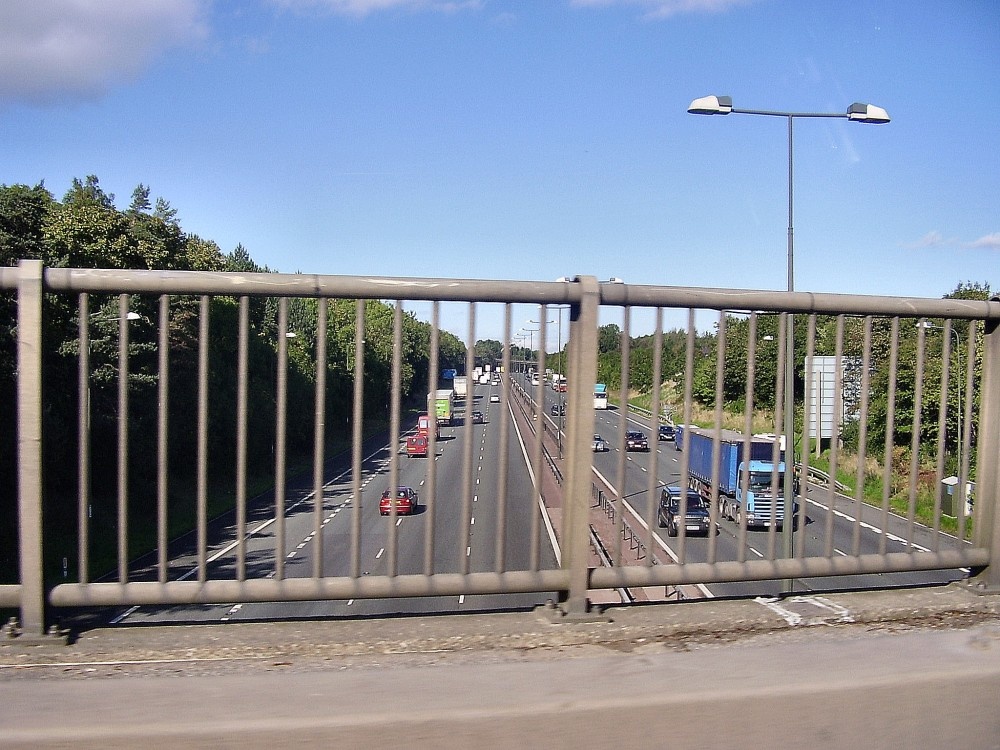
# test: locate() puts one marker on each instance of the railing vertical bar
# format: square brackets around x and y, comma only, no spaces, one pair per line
[986,528]
[242,390]
[500,549]
[357,435]
[582,351]
[319,435]
[537,465]
[653,479]
[808,399]
[966,437]
[685,475]
[781,373]
[720,371]
[83,442]
[918,403]
[123,324]
[163,439]
[433,377]
[467,466]
[751,369]
[861,472]
[29,445]
[394,419]
[280,439]
[623,411]
[202,510]
[836,421]
[942,429]
[890,427]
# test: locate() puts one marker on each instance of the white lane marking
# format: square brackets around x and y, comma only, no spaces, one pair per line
[545,515]
[868,526]
[468,551]
[473,521]
[380,553]
[663,545]
[461,599]
[794,618]
[759,554]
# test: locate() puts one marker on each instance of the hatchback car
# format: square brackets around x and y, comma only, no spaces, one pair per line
[558,410]
[600,444]
[478,418]
[636,441]
[666,432]
[494,398]
[406,502]
[696,519]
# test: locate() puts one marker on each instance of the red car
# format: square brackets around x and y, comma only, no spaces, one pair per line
[406,502]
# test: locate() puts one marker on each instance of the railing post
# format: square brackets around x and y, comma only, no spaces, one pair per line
[582,356]
[29,446]
[985,514]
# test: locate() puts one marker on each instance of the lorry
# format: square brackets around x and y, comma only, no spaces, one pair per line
[444,406]
[757,506]
[461,385]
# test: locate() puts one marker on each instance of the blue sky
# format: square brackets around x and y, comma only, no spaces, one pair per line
[529,139]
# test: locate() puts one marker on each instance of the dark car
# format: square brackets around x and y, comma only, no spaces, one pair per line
[558,410]
[636,441]
[697,516]
[478,418]
[406,502]
[666,432]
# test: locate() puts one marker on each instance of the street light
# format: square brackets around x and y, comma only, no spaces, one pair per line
[857,112]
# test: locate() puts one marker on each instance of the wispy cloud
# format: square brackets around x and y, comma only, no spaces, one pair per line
[53,51]
[936,239]
[931,239]
[362,8]
[989,241]
[658,9]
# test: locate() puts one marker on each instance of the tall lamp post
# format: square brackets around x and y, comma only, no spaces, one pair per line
[857,112]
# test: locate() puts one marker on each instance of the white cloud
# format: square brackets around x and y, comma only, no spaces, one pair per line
[931,239]
[654,9]
[365,7]
[989,241]
[69,50]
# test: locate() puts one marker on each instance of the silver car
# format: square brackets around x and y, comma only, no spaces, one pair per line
[600,444]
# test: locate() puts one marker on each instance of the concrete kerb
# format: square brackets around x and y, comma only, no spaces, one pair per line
[492,637]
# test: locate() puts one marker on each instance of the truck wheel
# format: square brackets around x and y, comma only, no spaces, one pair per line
[739,516]
[672,530]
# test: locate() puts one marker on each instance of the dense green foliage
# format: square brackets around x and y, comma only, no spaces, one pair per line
[86,230]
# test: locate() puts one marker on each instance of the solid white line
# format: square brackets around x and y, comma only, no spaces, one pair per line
[380,552]
[673,556]
[868,526]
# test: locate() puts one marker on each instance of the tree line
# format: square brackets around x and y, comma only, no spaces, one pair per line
[737,330]
[85,229]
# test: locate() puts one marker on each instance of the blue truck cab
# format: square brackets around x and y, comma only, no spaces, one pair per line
[762,503]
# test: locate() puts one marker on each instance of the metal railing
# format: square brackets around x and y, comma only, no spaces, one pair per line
[235,573]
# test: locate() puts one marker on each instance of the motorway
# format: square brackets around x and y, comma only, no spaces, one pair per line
[824,520]
[465,515]
[390,545]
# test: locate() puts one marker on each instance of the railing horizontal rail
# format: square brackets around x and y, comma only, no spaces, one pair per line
[307,589]
[764,570]
[308,285]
